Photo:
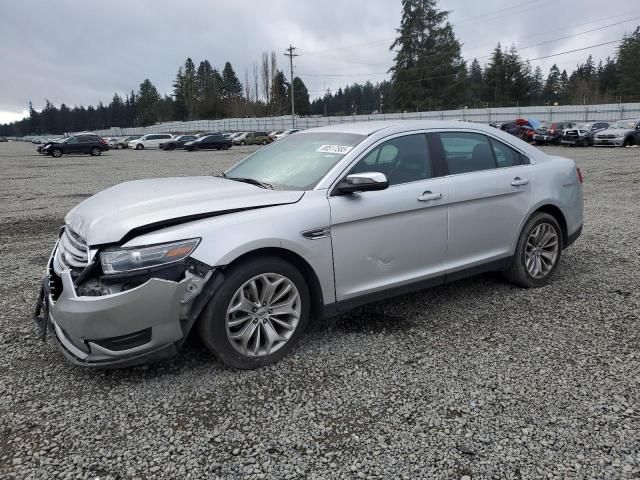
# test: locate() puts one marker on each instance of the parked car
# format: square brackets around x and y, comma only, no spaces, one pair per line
[582,134]
[112,141]
[252,138]
[177,142]
[285,133]
[91,144]
[3,139]
[218,142]
[151,140]
[550,132]
[311,225]
[124,142]
[273,134]
[622,133]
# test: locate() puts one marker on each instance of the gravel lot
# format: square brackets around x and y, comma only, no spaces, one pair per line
[476,379]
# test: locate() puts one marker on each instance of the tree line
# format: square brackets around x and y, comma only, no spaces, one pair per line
[428,73]
[201,92]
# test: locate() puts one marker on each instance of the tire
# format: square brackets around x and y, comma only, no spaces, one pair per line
[627,142]
[171,146]
[195,148]
[264,142]
[118,146]
[56,152]
[212,325]
[518,273]
[243,143]
[95,152]
[139,147]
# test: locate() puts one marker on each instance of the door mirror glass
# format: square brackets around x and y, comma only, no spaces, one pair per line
[363,182]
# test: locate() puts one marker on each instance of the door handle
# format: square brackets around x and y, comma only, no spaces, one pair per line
[428,196]
[518,182]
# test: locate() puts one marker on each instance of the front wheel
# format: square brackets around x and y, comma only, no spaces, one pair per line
[243,142]
[139,147]
[628,142]
[537,252]
[258,315]
[56,152]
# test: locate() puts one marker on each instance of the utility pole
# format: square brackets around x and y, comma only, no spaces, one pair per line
[290,54]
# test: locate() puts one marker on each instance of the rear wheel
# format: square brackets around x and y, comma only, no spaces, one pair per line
[258,315]
[537,252]
[56,152]
[95,151]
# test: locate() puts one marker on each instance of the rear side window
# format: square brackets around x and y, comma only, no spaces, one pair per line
[467,152]
[505,155]
[84,139]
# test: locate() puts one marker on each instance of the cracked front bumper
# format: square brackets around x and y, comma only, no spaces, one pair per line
[90,329]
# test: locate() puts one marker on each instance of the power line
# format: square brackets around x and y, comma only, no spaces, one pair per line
[442,52]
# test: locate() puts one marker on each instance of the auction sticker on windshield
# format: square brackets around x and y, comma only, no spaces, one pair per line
[340,149]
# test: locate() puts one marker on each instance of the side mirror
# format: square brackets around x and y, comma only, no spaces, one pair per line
[363,182]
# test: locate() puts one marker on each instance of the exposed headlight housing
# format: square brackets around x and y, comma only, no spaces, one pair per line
[122,260]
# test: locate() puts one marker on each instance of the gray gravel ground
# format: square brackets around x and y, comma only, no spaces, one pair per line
[476,379]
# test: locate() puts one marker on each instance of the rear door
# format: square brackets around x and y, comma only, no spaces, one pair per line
[489,193]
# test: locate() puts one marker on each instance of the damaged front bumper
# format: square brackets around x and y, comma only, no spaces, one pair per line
[131,327]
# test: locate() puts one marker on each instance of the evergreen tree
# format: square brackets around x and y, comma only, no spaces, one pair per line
[475,84]
[628,68]
[300,97]
[147,103]
[231,86]
[428,65]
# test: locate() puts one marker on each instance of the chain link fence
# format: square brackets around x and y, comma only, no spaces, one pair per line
[610,112]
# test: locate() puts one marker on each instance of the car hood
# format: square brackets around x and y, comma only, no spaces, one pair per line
[111,214]
[616,131]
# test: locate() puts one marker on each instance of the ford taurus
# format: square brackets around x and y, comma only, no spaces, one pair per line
[310,226]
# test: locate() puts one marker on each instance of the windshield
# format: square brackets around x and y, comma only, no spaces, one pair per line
[626,124]
[544,126]
[584,126]
[297,162]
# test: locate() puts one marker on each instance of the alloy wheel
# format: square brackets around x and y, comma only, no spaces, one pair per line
[541,250]
[263,315]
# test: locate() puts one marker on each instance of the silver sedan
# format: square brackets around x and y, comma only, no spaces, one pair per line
[309,226]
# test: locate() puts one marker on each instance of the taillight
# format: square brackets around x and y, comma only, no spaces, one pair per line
[580,177]
[103,141]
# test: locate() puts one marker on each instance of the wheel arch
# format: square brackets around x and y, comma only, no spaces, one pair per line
[307,271]
[556,213]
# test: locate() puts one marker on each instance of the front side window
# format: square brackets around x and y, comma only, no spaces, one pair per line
[402,159]
[467,152]
[297,162]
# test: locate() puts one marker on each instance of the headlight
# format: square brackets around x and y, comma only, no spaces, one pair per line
[120,260]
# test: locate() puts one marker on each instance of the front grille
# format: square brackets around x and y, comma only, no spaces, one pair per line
[608,135]
[72,253]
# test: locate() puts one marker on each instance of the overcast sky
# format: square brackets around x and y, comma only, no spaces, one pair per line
[81,52]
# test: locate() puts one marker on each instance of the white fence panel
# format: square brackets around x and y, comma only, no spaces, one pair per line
[613,111]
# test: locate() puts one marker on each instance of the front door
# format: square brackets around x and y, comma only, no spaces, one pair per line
[389,239]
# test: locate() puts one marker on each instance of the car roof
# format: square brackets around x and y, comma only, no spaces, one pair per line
[396,126]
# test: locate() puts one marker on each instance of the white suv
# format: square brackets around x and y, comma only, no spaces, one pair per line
[151,140]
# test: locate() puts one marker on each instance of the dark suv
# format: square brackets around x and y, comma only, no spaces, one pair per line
[91,144]
[551,132]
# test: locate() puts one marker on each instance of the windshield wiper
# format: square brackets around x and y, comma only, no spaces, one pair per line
[251,181]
